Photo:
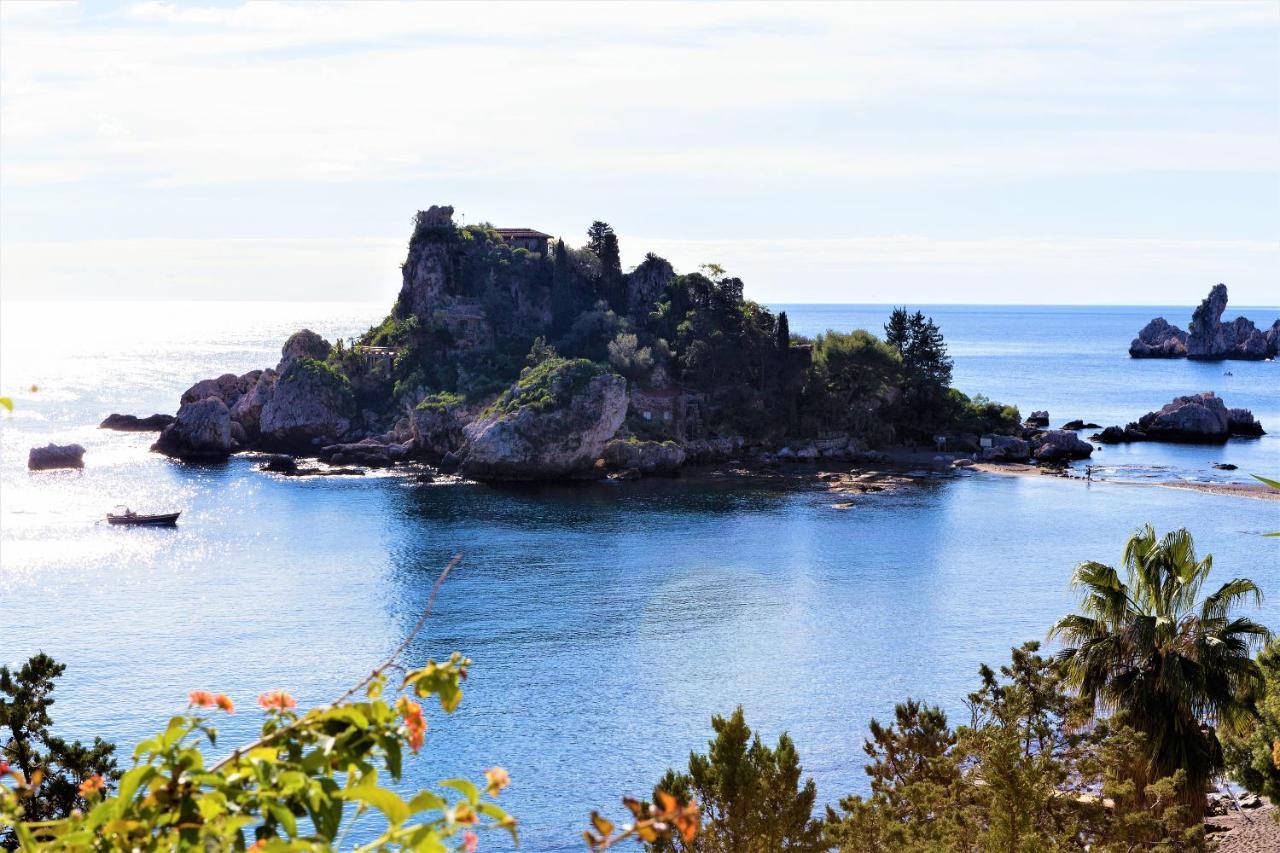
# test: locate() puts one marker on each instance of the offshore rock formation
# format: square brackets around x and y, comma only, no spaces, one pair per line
[1208,338]
[646,457]
[1195,419]
[202,430]
[309,404]
[1058,445]
[556,435]
[133,423]
[53,456]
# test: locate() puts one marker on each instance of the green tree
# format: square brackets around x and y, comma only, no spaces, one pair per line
[596,235]
[1175,666]
[52,767]
[568,295]
[751,796]
[784,332]
[1253,756]
[611,281]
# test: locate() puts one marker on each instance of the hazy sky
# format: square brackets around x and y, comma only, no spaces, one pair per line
[958,152]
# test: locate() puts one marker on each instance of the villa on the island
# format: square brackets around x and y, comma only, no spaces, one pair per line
[525,238]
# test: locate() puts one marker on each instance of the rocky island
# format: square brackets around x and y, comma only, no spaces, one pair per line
[1207,337]
[510,356]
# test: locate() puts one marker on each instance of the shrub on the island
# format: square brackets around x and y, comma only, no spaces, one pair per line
[629,358]
[324,374]
[545,386]
[851,380]
[591,333]
[979,415]
[439,402]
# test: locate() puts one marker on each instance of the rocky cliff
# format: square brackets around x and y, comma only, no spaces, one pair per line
[1208,338]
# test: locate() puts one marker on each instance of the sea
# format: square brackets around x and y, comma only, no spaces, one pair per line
[608,622]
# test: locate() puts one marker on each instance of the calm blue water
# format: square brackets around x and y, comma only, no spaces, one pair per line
[607,622]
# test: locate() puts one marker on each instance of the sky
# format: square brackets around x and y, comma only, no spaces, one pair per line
[1048,153]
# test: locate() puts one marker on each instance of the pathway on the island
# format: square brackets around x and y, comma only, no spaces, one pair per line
[1251,831]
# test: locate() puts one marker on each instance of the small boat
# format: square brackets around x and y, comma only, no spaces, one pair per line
[131,517]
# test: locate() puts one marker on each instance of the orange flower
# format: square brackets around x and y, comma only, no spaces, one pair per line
[92,785]
[470,841]
[462,813]
[224,702]
[498,779]
[414,722]
[260,844]
[277,700]
[201,698]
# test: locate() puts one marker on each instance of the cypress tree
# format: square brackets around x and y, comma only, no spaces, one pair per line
[784,332]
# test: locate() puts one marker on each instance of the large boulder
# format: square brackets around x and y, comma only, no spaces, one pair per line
[1159,339]
[202,430]
[133,423]
[1195,419]
[228,388]
[247,410]
[1058,445]
[648,457]
[552,424]
[368,452]
[303,344]
[1006,448]
[437,424]
[310,401]
[53,456]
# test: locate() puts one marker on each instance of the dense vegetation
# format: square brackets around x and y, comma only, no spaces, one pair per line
[695,331]
[1109,747]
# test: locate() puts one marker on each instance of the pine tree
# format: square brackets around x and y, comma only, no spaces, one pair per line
[897,331]
[784,332]
[611,284]
[596,235]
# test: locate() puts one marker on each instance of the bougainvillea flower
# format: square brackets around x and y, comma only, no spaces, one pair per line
[277,700]
[224,702]
[414,722]
[498,779]
[201,698]
[4,767]
[92,785]
[470,841]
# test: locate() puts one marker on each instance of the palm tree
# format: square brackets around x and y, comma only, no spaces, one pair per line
[1173,667]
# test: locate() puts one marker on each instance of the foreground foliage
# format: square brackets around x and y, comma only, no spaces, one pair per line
[1176,666]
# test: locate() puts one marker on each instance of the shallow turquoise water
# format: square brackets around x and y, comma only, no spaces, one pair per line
[607,622]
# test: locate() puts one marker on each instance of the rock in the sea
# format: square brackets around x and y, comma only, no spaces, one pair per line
[647,457]
[1079,425]
[1197,419]
[1038,419]
[280,463]
[310,401]
[1242,423]
[53,456]
[1224,466]
[1159,339]
[1209,338]
[1058,445]
[1006,448]
[370,453]
[133,423]
[202,430]
[552,424]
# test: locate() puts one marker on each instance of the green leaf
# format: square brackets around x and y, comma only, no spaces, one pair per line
[132,781]
[1275,484]
[426,801]
[465,787]
[7,402]
[284,817]
[389,803]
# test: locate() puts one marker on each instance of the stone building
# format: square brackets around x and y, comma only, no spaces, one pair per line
[525,238]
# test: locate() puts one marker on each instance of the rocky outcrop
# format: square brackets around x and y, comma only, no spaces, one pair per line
[1038,419]
[310,405]
[437,425]
[133,423]
[1059,445]
[1194,419]
[228,388]
[646,284]
[303,344]
[247,411]
[202,430]
[552,424]
[1207,337]
[368,452]
[1079,425]
[53,456]
[1159,339]
[647,457]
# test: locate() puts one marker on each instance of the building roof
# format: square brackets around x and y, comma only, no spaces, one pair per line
[521,232]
